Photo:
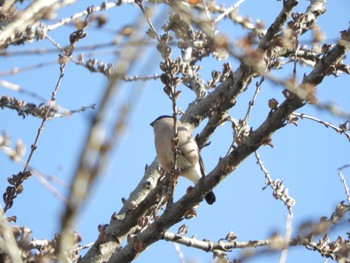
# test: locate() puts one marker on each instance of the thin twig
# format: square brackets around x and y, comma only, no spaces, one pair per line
[26,173]
[179,253]
[207,245]
[346,188]
[147,14]
[107,69]
[82,247]
[333,109]
[251,103]
[48,186]
[289,231]
[228,10]
[344,167]
[279,192]
[53,42]
[17,70]
[104,6]
[42,125]
[326,124]
[296,50]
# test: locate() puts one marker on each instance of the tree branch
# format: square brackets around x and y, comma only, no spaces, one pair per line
[275,120]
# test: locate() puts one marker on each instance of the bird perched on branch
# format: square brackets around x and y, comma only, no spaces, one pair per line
[189,160]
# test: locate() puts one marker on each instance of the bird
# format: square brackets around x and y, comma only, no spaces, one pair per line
[189,160]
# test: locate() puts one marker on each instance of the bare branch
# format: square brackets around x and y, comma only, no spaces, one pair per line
[326,124]
[279,191]
[18,31]
[346,188]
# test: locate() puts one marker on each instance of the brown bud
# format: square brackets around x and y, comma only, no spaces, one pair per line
[190,213]
[273,104]
[230,236]
[293,120]
[190,192]
[139,246]
[163,66]
[166,79]
[167,90]
[267,141]
[102,228]
[182,230]
[288,95]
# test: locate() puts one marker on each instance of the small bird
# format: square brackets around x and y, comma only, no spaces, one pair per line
[189,160]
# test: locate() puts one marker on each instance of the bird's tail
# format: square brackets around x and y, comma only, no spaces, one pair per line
[210,198]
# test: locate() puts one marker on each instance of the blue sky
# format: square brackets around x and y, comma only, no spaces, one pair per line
[306,157]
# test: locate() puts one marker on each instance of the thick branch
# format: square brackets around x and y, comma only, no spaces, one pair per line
[277,25]
[220,100]
[275,120]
